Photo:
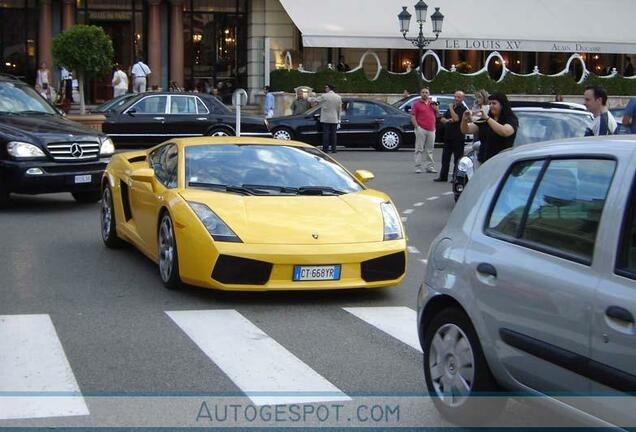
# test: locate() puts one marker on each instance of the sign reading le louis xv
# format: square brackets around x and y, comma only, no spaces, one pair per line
[521,45]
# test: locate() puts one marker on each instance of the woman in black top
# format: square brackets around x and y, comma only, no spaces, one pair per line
[497,129]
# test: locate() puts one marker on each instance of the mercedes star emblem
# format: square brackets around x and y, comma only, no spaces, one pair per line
[76,150]
[315,236]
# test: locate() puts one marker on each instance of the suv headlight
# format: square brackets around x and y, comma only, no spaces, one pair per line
[107,148]
[215,226]
[19,149]
[392,227]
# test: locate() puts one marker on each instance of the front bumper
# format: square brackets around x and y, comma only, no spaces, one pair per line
[200,270]
[55,177]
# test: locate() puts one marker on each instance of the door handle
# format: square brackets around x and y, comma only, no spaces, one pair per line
[158,118]
[620,314]
[202,118]
[344,121]
[379,120]
[487,269]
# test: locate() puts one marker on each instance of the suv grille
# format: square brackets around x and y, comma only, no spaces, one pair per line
[71,151]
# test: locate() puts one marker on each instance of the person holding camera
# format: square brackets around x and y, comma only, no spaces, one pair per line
[453,136]
[423,117]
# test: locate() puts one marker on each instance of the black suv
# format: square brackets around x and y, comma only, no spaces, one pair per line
[42,152]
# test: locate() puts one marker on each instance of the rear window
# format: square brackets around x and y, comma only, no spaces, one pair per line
[537,126]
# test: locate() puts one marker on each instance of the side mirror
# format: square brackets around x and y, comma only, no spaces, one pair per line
[131,112]
[364,176]
[317,115]
[146,175]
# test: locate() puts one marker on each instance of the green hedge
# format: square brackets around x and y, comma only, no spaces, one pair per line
[445,82]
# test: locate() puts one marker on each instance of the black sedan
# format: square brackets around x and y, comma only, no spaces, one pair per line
[364,123]
[42,152]
[151,118]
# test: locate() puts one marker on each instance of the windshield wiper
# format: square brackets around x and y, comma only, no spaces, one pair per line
[281,189]
[222,187]
[34,112]
[319,190]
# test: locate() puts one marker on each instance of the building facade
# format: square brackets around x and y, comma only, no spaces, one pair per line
[197,44]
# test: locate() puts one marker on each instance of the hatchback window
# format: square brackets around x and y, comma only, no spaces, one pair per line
[567,207]
[626,262]
[505,218]
[166,168]
[201,108]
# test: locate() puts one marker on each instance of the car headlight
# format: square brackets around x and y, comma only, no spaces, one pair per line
[107,148]
[464,164]
[19,149]
[215,226]
[392,227]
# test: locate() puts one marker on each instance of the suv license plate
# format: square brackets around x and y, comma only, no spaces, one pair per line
[83,179]
[317,273]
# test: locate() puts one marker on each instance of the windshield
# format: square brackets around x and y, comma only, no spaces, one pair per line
[537,126]
[19,98]
[265,168]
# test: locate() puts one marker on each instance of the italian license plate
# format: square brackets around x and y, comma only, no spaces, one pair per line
[317,273]
[83,179]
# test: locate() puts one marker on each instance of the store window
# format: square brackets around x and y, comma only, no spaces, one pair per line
[215,45]
[18,54]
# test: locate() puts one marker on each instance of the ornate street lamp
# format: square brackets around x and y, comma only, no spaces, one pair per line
[420,41]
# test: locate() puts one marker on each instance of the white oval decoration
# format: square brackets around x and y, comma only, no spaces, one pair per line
[437,60]
[573,57]
[289,64]
[361,64]
[504,70]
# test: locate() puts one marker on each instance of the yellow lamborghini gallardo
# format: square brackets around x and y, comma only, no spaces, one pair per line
[252,214]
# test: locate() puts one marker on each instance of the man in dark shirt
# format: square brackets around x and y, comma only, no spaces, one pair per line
[497,129]
[453,136]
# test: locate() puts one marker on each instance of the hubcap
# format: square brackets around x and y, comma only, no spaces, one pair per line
[107,213]
[220,134]
[451,365]
[166,249]
[390,140]
[282,135]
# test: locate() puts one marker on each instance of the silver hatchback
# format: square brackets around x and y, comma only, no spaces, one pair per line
[531,286]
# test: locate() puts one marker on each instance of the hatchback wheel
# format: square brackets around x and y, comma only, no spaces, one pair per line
[219,132]
[390,140]
[168,258]
[108,225]
[457,376]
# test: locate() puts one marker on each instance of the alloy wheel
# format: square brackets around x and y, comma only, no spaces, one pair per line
[107,213]
[166,248]
[390,140]
[282,134]
[220,133]
[451,365]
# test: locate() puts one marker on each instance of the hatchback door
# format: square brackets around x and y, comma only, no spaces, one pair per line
[361,124]
[612,366]
[530,269]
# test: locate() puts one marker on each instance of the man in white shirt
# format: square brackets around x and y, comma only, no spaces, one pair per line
[140,72]
[120,82]
[595,100]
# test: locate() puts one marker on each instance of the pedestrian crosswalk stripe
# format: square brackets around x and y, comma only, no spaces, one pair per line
[412,249]
[262,368]
[396,321]
[418,204]
[448,193]
[425,261]
[433,198]
[36,379]
[408,211]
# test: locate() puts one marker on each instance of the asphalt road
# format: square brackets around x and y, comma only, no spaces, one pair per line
[132,364]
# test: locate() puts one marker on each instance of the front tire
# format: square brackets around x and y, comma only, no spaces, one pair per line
[457,373]
[108,224]
[168,257]
[390,140]
[87,197]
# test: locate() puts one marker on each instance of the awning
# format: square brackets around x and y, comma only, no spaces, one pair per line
[489,25]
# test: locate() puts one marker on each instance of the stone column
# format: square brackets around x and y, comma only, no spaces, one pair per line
[176,42]
[68,14]
[45,35]
[452,58]
[472,57]
[154,42]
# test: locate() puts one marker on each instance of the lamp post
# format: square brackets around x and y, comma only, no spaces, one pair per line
[420,41]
